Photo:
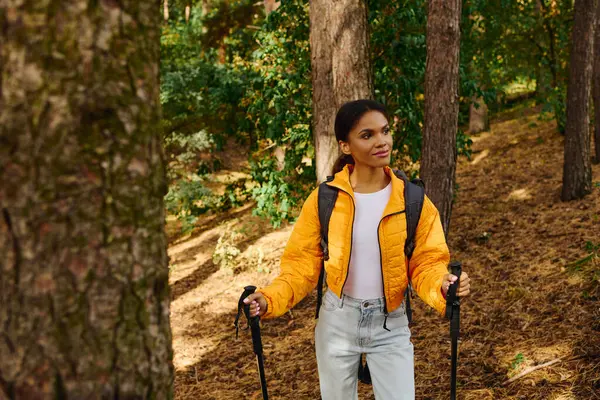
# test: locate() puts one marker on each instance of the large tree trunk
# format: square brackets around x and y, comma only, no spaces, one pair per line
[597,85]
[478,116]
[438,163]
[341,69]
[577,173]
[84,297]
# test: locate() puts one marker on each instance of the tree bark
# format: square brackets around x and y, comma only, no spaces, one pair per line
[341,69]
[577,172]
[84,296]
[478,116]
[166,10]
[596,83]
[438,163]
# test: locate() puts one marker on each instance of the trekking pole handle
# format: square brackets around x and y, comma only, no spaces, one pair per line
[452,299]
[248,290]
[456,270]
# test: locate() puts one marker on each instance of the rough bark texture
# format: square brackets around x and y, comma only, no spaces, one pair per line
[84,296]
[341,69]
[478,116]
[438,163]
[597,85]
[577,172]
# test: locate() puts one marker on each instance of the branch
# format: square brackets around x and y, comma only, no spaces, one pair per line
[536,367]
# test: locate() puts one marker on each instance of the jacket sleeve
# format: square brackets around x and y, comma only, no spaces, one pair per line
[300,263]
[429,262]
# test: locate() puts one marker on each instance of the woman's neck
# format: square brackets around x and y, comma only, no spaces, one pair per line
[364,179]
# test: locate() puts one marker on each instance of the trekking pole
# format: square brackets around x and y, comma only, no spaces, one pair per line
[254,325]
[453,314]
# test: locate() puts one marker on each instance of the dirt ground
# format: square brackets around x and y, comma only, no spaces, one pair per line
[531,302]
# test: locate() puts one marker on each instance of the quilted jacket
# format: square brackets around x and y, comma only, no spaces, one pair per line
[301,260]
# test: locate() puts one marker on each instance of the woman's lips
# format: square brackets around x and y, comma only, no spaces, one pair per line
[382,154]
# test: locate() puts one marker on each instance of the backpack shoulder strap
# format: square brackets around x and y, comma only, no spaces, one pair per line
[414,197]
[327,197]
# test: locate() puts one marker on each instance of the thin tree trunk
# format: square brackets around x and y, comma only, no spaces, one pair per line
[438,163]
[577,172]
[596,83]
[188,11]
[84,296]
[341,69]
[543,11]
[166,10]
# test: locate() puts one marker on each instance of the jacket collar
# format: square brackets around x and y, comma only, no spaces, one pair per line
[341,181]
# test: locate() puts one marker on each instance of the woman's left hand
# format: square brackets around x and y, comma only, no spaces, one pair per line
[464,286]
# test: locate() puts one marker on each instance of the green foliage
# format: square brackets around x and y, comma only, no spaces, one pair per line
[517,361]
[279,110]
[234,76]
[526,39]
[226,252]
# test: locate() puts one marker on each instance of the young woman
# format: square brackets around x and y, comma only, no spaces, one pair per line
[363,310]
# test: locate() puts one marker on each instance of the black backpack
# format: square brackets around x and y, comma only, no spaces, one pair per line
[414,196]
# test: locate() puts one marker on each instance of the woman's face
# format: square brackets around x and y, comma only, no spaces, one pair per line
[370,142]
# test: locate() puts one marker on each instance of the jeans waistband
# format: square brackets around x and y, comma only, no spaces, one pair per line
[347,301]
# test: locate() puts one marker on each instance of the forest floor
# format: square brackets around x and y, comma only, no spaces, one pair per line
[532,302]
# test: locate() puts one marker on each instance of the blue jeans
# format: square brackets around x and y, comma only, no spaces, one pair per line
[348,327]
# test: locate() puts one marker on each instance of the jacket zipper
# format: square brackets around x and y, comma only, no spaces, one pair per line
[385,311]
[351,239]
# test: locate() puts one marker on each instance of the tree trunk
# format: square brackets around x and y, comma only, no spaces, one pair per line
[438,163]
[597,86]
[545,20]
[341,69]
[188,11]
[84,296]
[166,10]
[478,116]
[577,173]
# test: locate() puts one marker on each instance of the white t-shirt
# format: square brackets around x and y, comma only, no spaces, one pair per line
[365,280]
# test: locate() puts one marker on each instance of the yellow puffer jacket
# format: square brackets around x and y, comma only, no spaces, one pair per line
[301,260]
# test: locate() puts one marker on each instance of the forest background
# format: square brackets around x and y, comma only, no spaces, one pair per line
[153,160]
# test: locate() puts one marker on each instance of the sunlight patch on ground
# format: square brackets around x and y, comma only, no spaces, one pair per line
[525,355]
[565,395]
[189,350]
[480,137]
[479,394]
[217,294]
[480,157]
[519,194]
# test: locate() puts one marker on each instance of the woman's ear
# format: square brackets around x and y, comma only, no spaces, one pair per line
[344,147]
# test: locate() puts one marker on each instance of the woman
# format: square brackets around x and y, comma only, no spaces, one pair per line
[363,309]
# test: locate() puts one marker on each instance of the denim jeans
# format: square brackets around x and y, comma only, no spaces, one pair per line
[349,327]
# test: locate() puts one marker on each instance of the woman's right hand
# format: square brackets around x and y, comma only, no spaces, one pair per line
[258,304]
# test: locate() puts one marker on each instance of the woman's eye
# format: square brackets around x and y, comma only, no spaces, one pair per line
[366,136]
[386,131]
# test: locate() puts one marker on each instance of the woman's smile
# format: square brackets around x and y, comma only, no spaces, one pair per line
[382,153]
